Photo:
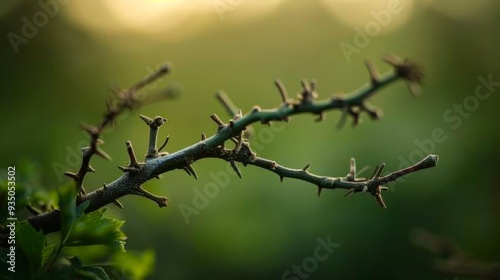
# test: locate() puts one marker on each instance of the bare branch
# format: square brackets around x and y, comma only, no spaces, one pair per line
[138,173]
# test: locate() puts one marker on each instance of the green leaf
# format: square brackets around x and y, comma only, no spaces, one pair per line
[80,209]
[33,244]
[94,229]
[137,265]
[67,205]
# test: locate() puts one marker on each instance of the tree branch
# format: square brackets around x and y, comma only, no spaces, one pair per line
[155,163]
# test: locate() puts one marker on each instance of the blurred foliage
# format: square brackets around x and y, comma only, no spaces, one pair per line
[257,227]
[68,256]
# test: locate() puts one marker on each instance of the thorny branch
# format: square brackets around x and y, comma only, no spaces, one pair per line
[452,260]
[236,131]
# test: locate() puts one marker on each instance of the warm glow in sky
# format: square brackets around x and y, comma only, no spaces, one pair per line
[178,19]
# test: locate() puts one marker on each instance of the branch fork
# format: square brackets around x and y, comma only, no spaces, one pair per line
[236,130]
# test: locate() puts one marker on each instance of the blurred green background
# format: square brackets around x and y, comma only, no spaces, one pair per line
[257,227]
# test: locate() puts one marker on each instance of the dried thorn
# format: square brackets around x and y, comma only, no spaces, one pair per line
[92,130]
[131,154]
[351,191]
[378,170]
[343,117]
[306,167]
[319,190]
[216,119]
[380,200]
[203,137]
[237,148]
[160,200]
[226,103]
[306,86]
[73,176]
[192,171]
[235,168]
[147,120]
[320,117]
[352,168]
[187,171]
[91,169]
[164,144]
[282,91]
[130,169]
[234,140]
[102,154]
[374,77]
[118,203]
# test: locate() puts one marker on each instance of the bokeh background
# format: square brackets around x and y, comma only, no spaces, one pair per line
[257,227]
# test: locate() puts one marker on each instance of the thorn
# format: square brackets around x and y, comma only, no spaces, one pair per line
[282,91]
[352,169]
[73,176]
[102,154]
[192,171]
[157,177]
[164,144]
[92,130]
[129,169]
[104,186]
[118,203]
[343,117]
[306,86]
[235,168]
[374,77]
[281,178]
[203,137]
[226,103]
[187,171]
[319,190]
[306,167]
[91,169]
[147,120]
[351,191]
[216,119]
[380,200]
[131,154]
[378,171]
[320,117]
